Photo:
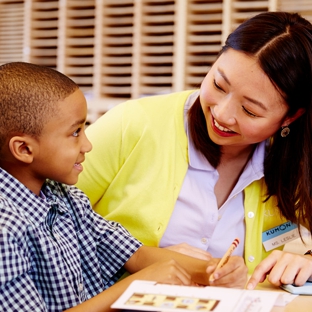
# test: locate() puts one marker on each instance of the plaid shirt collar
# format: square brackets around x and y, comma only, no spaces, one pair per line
[33,207]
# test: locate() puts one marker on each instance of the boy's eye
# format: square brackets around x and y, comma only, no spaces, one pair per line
[248,112]
[216,85]
[76,133]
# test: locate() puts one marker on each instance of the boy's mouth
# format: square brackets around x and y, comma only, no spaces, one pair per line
[78,166]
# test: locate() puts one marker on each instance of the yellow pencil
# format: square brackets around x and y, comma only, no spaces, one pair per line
[225,257]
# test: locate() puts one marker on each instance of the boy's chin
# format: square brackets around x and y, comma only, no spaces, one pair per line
[70,181]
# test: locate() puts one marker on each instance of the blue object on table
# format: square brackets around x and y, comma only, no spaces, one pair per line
[305,289]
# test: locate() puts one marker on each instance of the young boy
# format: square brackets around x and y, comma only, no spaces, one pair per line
[56,253]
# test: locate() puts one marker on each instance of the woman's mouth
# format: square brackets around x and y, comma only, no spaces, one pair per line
[220,127]
[220,130]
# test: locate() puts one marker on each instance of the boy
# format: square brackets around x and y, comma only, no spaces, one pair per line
[56,253]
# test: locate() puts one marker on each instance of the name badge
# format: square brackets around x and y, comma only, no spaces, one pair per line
[279,235]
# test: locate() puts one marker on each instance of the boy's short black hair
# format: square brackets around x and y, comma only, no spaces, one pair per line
[28,94]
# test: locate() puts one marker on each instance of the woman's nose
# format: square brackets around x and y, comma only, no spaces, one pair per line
[225,110]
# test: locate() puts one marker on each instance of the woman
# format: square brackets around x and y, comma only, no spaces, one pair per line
[229,160]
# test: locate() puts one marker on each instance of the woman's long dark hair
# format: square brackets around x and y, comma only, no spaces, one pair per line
[282,42]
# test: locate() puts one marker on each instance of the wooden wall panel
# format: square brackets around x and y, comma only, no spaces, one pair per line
[77,29]
[121,49]
[11,31]
[203,41]
[43,32]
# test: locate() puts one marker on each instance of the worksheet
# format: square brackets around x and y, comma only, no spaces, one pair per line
[151,296]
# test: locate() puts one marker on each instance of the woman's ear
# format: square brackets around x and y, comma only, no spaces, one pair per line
[21,147]
[289,120]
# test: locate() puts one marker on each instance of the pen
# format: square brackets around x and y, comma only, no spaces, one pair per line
[225,258]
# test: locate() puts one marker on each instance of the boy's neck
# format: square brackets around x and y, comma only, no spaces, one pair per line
[23,174]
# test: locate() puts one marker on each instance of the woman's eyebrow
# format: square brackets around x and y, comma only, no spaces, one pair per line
[223,75]
[261,105]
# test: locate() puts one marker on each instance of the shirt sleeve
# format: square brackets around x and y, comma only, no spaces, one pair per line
[105,246]
[115,244]
[17,290]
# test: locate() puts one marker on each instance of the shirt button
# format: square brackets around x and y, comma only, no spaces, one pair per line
[204,240]
[57,236]
[251,214]
[219,217]
[251,258]
[81,287]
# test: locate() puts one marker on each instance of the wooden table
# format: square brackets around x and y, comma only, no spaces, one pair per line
[299,304]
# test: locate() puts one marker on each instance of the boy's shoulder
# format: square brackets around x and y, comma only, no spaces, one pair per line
[12,220]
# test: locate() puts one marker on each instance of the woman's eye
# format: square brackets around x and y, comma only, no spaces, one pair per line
[216,85]
[248,112]
[76,133]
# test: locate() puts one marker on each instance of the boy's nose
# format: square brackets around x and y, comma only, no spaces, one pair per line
[87,145]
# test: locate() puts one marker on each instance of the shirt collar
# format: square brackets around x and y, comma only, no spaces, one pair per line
[34,208]
[196,159]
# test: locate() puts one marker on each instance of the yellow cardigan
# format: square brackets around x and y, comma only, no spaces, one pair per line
[136,169]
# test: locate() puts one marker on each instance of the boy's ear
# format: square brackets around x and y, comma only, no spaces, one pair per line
[21,147]
[291,119]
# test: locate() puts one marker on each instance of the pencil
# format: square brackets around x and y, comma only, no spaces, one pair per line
[225,258]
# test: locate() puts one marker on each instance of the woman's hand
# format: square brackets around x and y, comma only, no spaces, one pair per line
[282,268]
[191,251]
[233,274]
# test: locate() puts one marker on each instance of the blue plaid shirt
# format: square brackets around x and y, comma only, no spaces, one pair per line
[56,252]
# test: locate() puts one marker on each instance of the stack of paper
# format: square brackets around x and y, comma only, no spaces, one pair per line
[150,296]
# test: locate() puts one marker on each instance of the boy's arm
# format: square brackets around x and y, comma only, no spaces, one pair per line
[165,266]
[233,274]
[163,272]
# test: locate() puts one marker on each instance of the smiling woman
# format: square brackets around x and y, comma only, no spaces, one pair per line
[239,109]
[180,170]
[239,113]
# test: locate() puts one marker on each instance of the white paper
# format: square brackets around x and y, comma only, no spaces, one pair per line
[150,296]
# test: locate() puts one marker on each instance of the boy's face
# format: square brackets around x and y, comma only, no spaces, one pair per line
[62,145]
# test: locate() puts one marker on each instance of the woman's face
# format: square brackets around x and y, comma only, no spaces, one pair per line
[240,104]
